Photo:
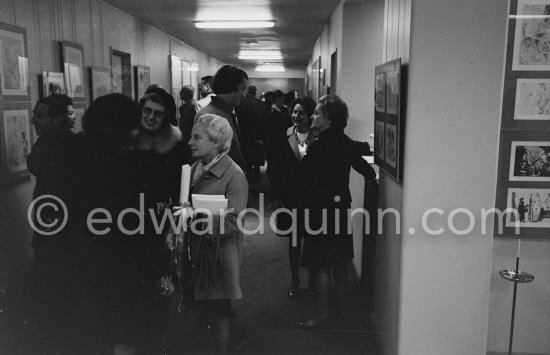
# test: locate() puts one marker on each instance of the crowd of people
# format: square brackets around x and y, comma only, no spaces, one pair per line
[121,265]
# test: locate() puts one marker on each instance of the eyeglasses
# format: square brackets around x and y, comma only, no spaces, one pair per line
[158,114]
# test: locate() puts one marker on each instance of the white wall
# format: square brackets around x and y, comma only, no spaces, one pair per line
[451,146]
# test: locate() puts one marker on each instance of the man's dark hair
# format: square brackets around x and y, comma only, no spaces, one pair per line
[110,118]
[251,90]
[207,79]
[57,106]
[227,79]
[187,92]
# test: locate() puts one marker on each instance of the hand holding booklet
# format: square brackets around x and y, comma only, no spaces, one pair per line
[213,203]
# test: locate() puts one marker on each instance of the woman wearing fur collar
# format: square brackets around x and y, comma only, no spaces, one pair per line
[159,152]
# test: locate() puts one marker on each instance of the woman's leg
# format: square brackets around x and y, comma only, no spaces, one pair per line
[294,252]
[322,290]
[340,283]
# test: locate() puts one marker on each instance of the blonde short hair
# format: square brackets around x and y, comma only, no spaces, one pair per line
[218,129]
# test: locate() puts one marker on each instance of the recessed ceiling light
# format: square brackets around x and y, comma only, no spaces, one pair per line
[270,68]
[234,24]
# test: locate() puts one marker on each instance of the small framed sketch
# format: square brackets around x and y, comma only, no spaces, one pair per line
[530,161]
[388,116]
[380,93]
[52,83]
[532,99]
[16,139]
[528,207]
[121,72]
[14,63]
[72,55]
[100,82]
[531,48]
[142,74]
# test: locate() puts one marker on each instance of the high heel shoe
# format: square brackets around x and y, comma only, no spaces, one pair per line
[293,289]
[292,293]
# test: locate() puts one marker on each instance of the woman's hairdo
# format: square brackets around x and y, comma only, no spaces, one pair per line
[335,110]
[307,102]
[218,130]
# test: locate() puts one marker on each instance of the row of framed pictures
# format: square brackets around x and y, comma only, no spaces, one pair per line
[524,155]
[388,124]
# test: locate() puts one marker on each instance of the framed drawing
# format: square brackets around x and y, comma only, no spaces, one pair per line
[388,125]
[142,74]
[16,139]
[532,99]
[100,82]
[532,36]
[79,109]
[524,173]
[52,83]
[14,70]
[380,93]
[72,55]
[316,78]
[121,72]
[176,79]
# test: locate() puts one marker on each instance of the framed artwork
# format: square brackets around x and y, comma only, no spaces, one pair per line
[16,139]
[388,126]
[72,55]
[52,83]
[380,93]
[14,70]
[379,148]
[100,82]
[143,79]
[178,70]
[532,36]
[524,174]
[530,207]
[316,78]
[532,99]
[79,110]
[121,71]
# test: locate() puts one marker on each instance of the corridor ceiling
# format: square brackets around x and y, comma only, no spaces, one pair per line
[298,25]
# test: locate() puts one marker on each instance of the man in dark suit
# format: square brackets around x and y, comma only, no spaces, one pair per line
[250,114]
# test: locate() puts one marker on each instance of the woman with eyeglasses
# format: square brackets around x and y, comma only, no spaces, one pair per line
[159,153]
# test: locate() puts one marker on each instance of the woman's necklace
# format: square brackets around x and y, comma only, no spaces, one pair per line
[302,138]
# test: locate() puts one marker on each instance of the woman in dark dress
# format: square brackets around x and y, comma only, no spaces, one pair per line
[288,183]
[326,169]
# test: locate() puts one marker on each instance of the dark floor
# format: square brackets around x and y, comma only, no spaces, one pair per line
[266,321]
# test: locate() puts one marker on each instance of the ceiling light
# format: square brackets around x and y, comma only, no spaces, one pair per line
[271,68]
[234,24]
[260,55]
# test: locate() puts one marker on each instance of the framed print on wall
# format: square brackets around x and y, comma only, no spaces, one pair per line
[532,36]
[14,70]
[16,139]
[523,184]
[72,55]
[100,81]
[142,74]
[121,72]
[388,125]
[52,83]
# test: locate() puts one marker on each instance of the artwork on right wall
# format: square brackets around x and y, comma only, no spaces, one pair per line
[522,195]
[388,125]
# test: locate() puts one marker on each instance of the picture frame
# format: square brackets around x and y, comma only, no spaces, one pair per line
[142,74]
[53,83]
[531,45]
[524,169]
[121,72]
[316,78]
[100,81]
[14,69]
[388,117]
[16,140]
[72,57]
[532,99]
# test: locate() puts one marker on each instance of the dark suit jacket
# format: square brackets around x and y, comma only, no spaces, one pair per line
[326,169]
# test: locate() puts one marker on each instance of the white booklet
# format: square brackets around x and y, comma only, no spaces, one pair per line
[213,203]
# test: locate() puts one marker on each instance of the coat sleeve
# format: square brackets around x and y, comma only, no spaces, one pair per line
[236,193]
